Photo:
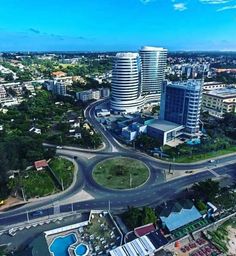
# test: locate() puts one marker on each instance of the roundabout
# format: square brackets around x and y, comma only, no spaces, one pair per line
[121,173]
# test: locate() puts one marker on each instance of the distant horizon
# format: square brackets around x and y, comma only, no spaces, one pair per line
[115,51]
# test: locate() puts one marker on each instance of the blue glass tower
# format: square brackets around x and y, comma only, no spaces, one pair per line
[181,103]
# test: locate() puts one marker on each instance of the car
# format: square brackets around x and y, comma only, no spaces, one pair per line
[37,213]
[212,161]
[59,147]
[189,171]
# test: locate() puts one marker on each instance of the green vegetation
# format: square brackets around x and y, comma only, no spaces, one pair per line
[226,199]
[120,173]
[202,207]
[40,183]
[64,170]
[2,250]
[135,217]
[156,110]
[144,142]
[200,157]
[220,236]
[89,66]
[19,147]
[208,188]
[220,140]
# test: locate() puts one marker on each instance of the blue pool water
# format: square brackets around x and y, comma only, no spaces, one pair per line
[59,246]
[81,250]
[193,142]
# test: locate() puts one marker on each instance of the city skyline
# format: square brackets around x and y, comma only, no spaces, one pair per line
[202,25]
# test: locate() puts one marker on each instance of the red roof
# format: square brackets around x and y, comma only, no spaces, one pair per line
[40,164]
[141,231]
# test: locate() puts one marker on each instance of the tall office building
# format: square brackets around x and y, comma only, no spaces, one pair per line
[181,103]
[154,60]
[126,88]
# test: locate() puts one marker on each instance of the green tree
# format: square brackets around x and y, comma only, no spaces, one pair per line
[135,217]
[201,205]
[148,216]
[9,77]
[209,189]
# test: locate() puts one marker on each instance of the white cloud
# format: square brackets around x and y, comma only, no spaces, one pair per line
[215,1]
[225,8]
[145,1]
[180,7]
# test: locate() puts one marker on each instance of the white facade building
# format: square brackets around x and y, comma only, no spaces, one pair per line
[154,61]
[126,87]
[3,93]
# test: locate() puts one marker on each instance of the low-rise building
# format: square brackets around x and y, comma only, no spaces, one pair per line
[128,134]
[9,101]
[105,92]
[132,131]
[103,113]
[93,94]
[84,95]
[29,86]
[164,131]
[40,165]
[55,87]
[3,93]
[208,86]
[179,214]
[220,101]
[145,245]
[59,89]
[58,74]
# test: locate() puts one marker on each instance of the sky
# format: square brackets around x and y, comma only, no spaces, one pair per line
[117,25]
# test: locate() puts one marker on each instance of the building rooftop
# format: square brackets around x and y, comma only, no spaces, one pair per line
[157,238]
[190,84]
[127,55]
[141,231]
[151,48]
[40,164]
[176,207]
[179,214]
[164,126]
[229,92]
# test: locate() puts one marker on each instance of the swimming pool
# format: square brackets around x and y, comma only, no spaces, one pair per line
[81,250]
[61,244]
[193,142]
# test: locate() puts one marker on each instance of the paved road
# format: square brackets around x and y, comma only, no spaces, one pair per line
[149,195]
[154,191]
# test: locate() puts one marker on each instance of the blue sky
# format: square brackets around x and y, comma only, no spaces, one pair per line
[92,25]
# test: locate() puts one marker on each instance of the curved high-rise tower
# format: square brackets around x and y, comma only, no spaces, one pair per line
[154,61]
[126,88]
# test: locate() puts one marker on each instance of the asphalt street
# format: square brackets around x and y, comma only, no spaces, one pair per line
[154,191]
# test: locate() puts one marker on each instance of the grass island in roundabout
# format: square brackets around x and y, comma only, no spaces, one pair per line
[120,173]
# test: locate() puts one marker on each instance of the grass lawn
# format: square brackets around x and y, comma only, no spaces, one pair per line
[200,157]
[2,249]
[120,173]
[38,183]
[64,169]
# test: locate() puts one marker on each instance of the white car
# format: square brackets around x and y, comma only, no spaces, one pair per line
[59,147]
[212,161]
